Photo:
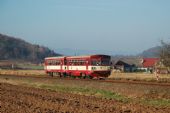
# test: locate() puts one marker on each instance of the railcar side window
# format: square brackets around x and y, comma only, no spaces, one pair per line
[48,62]
[76,62]
[53,62]
[58,62]
[82,62]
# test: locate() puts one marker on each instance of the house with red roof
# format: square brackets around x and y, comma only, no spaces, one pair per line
[149,63]
[136,64]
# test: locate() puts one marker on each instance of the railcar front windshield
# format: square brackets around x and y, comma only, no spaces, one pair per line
[100,62]
[105,62]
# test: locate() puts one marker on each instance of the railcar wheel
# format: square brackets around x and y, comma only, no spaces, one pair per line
[101,78]
[69,74]
[65,74]
[72,76]
[83,75]
[89,77]
[50,74]
[60,75]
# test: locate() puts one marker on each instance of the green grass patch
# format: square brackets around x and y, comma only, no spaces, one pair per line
[86,91]
[104,94]
[156,102]
[30,66]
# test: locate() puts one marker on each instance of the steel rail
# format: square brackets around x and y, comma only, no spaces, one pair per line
[156,83]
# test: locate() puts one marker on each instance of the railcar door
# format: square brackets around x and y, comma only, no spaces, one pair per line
[61,63]
[65,66]
[87,61]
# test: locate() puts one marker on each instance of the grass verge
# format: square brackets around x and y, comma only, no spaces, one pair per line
[156,102]
[86,91]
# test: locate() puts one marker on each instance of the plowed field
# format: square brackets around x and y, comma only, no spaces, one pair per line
[19,99]
[24,98]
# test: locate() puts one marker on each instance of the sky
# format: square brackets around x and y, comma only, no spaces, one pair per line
[115,26]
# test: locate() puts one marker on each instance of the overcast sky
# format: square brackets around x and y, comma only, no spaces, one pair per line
[118,26]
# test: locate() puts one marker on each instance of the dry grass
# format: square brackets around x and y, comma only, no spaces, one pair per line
[140,76]
[22,72]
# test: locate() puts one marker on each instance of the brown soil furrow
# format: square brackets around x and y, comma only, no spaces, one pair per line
[20,99]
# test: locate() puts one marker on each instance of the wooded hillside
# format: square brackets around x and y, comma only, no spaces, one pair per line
[17,49]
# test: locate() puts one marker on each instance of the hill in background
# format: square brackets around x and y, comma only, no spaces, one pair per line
[152,52]
[17,49]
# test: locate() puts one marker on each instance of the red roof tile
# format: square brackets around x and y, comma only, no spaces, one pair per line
[150,62]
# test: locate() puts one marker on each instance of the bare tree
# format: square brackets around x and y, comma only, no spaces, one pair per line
[165,53]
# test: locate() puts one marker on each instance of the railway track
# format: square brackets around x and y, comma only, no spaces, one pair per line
[156,83]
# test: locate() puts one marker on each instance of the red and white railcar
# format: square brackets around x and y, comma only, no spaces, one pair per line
[91,65]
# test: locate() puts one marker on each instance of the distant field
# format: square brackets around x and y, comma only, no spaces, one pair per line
[7,64]
[141,76]
[22,72]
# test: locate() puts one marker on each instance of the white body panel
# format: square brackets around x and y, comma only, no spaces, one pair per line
[53,67]
[98,68]
[77,68]
[64,67]
[81,68]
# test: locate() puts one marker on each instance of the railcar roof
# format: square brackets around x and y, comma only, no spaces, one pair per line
[55,57]
[86,56]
